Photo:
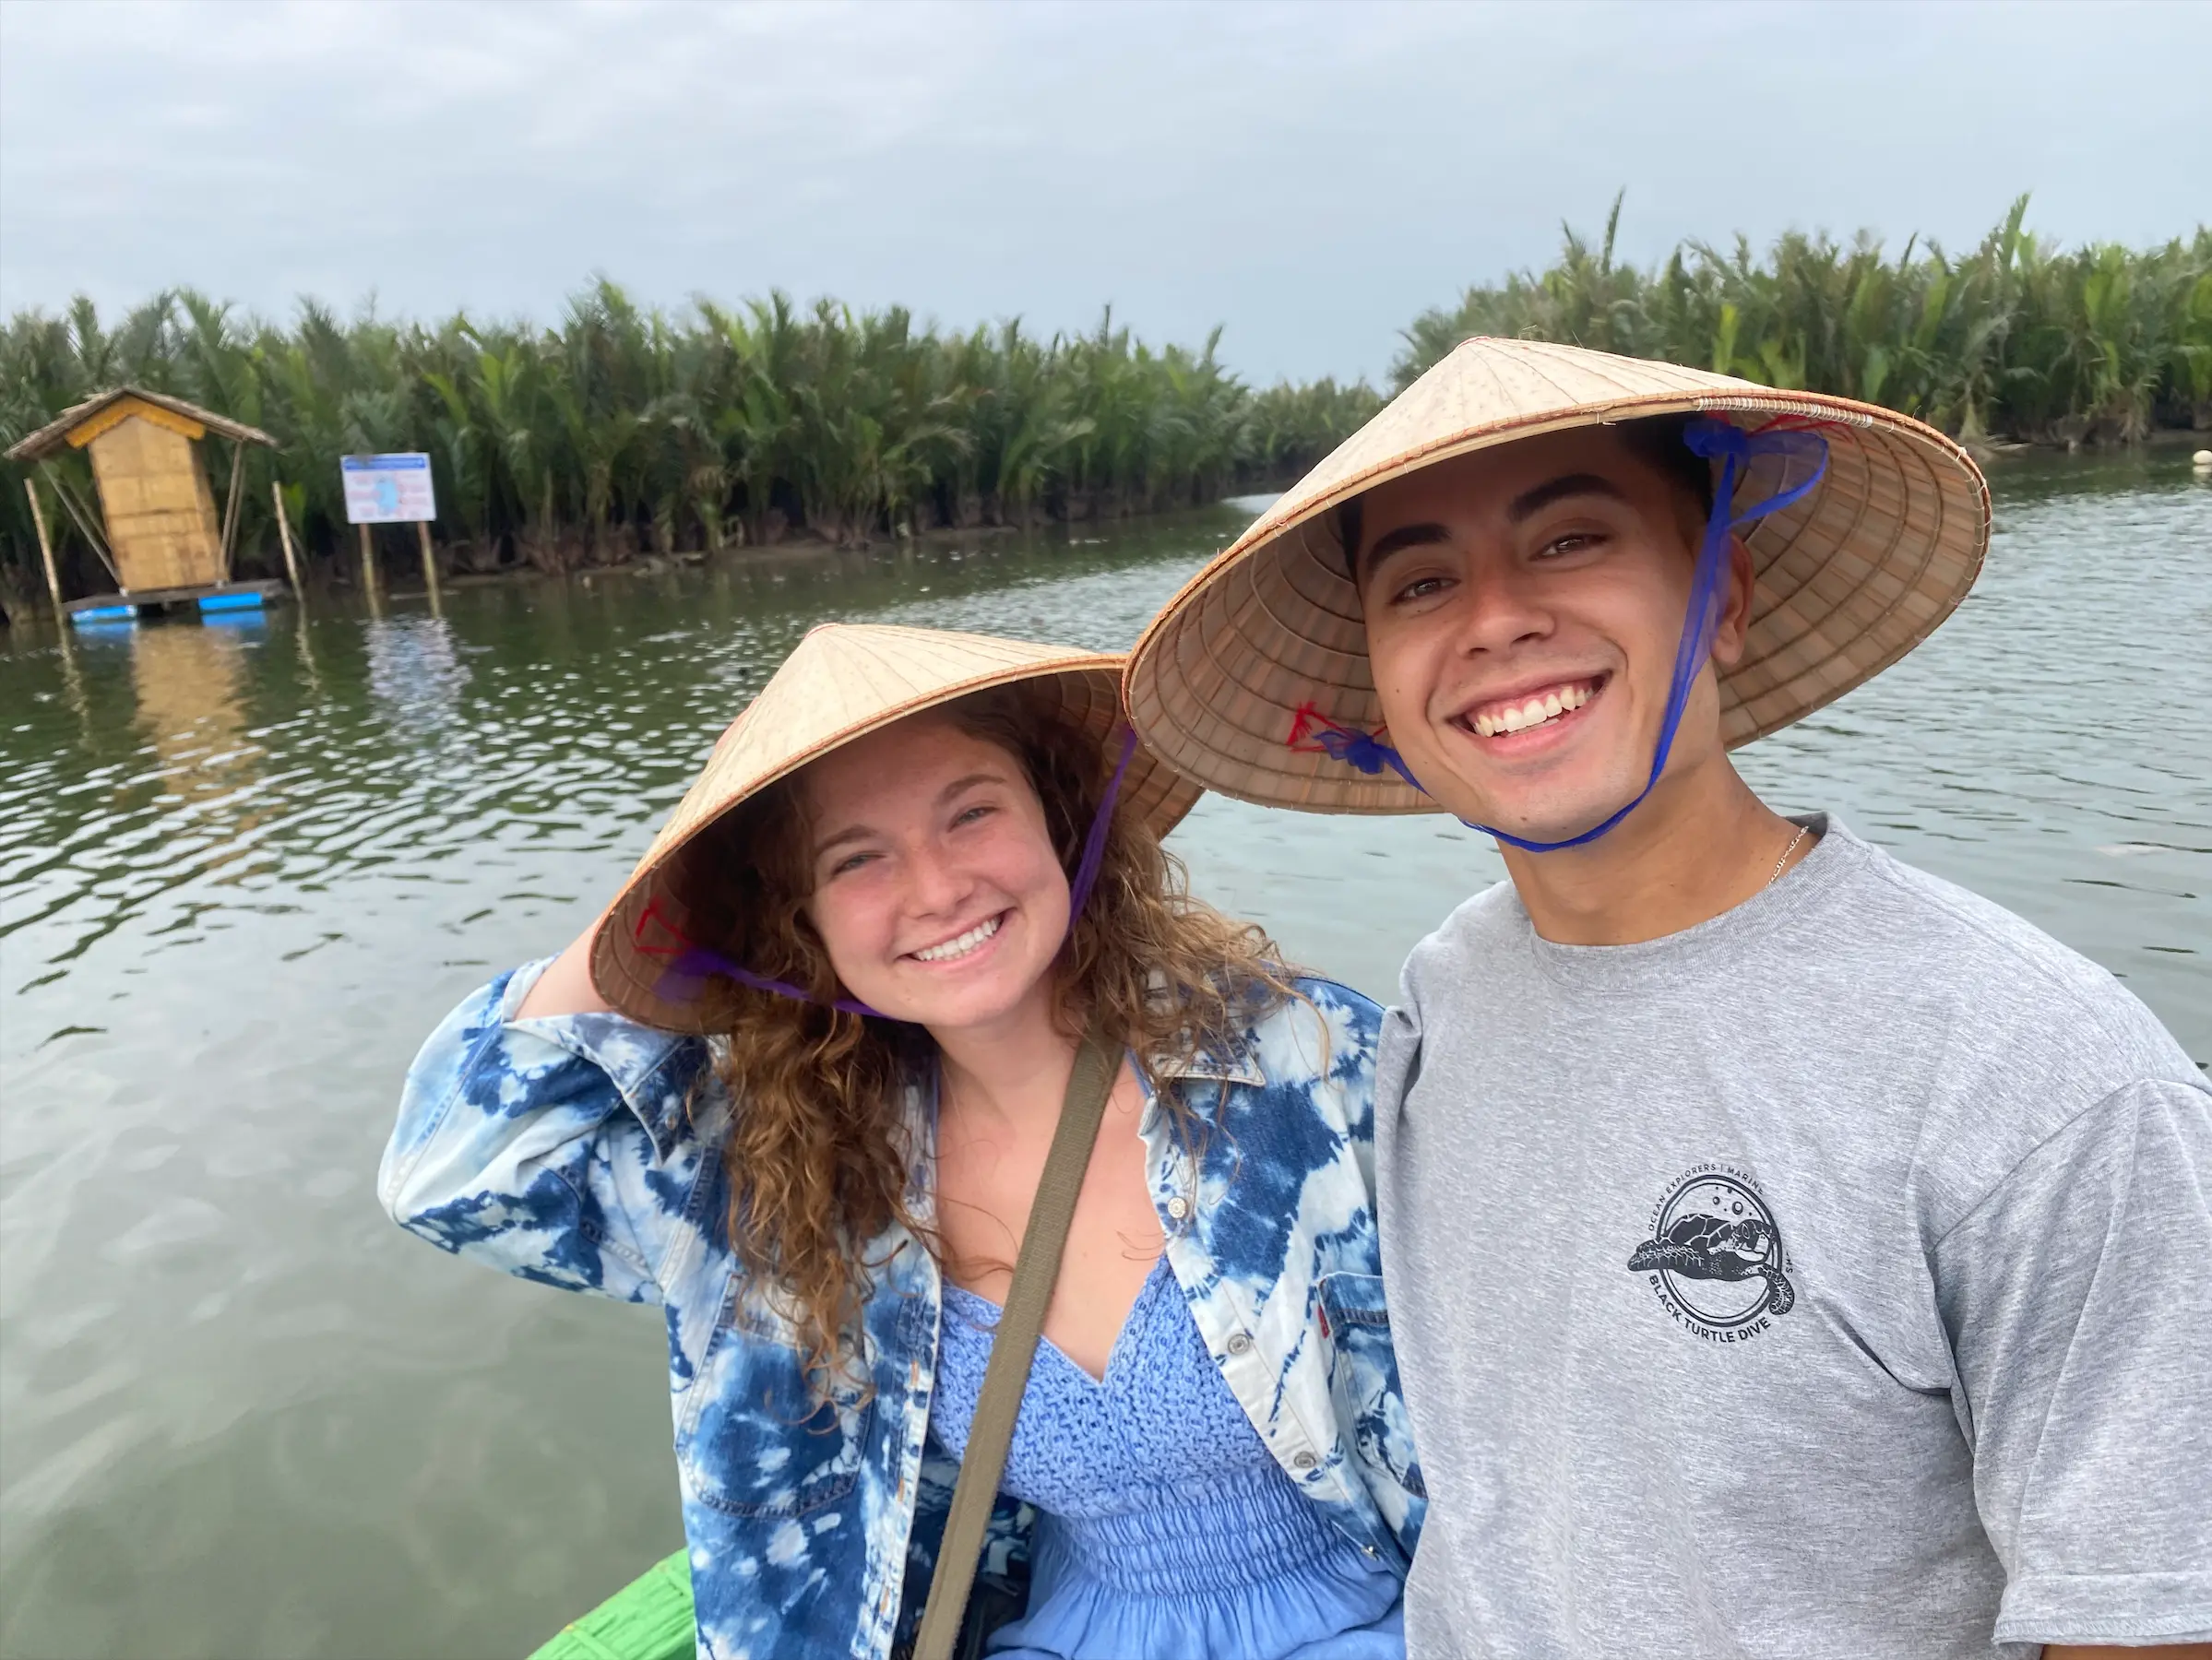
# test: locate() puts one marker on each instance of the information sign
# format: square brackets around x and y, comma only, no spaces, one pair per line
[387,490]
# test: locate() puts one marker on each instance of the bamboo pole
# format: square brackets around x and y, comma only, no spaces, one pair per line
[81,515]
[430,569]
[292,558]
[230,511]
[370,584]
[54,579]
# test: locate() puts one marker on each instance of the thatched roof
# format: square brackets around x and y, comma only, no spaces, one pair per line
[55,433]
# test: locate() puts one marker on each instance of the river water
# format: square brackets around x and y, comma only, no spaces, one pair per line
[245,866]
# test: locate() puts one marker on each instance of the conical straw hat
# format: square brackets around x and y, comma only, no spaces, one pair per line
[843,681]
[1849,579]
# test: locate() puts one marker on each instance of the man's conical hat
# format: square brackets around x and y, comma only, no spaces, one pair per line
[1849,579]
[843,681]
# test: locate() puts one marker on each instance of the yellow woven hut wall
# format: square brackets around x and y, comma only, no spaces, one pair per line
[154,495]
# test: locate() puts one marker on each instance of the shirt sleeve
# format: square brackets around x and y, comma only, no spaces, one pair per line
[555,1148]
[2078,1300]
[1396,1069]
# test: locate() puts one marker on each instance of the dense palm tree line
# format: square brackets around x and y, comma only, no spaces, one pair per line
[621,430]
[624,429]
[2020,339]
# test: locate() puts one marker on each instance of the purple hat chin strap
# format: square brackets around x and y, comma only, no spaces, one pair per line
[697,962]
[1735,449]
[1094,840]
[680,983]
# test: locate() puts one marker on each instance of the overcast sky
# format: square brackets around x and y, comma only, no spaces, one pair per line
[1311,177]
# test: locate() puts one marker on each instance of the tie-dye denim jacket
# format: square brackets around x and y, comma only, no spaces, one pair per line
[562,1149]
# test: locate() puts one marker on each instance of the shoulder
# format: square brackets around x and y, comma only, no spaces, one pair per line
[1294,1111]
[1333,1001]
[2004,1035]
[1325,1026]
[1314,1049]
[1479,924]
[1969,961]
[1478,930]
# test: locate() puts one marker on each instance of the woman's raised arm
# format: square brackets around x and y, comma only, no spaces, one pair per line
[566,987]
[557,1147]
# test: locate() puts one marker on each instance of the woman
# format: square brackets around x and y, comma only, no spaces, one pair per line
[874,899]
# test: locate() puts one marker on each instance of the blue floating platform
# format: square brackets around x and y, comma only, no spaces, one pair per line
[230,597]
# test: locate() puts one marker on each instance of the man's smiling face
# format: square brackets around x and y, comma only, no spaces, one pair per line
[1524,605]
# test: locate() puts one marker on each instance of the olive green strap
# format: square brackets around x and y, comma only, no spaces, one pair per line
[1098,1064]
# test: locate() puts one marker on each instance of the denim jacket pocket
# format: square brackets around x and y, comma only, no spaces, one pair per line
[752,1439]
[1363,1381]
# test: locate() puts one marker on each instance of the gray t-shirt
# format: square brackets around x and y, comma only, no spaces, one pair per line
[1831,1278]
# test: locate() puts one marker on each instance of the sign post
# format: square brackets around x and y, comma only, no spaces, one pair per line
[391,490]
[370,584]
[430,563]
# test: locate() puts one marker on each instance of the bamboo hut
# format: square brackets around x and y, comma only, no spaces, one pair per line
[155,526]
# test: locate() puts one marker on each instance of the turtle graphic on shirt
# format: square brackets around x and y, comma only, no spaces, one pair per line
[1699,1245]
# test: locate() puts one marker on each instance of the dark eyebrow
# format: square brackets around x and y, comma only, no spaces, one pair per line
[967,782]
[1397,542]
[850,833]
[861,832]
[1525,505]
[1530,503]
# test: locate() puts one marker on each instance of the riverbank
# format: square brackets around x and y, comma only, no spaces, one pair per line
[627,431]
[462,566]
[465,562]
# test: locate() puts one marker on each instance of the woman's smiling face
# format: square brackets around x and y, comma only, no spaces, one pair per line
[1524,605]
[936,890]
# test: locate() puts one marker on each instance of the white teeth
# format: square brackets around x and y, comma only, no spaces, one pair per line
[959,947]
[1535,711]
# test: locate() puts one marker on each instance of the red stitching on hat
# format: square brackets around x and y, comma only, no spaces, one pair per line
[652,913]
[1308,724]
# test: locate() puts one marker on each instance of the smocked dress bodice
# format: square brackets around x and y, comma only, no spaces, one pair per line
[1165,1528]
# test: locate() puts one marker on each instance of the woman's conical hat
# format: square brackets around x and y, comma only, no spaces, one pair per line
[843,681]
[1849,579]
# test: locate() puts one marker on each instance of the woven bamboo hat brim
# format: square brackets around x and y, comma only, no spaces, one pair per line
[845,679]
[1849,579]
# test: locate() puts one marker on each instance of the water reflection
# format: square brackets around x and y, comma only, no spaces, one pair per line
[415,671]
[190,687]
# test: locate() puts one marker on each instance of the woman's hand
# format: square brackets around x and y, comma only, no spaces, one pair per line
[566,987]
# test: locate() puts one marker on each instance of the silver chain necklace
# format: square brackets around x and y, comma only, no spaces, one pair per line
[1802,830]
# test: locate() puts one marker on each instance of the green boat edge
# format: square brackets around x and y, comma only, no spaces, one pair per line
[649,1618]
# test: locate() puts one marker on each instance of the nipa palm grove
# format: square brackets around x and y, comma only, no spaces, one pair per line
[619,430]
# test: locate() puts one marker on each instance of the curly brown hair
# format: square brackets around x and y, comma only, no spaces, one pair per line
[817,1158]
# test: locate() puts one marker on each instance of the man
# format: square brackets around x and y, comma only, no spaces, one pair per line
[1789,1253]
